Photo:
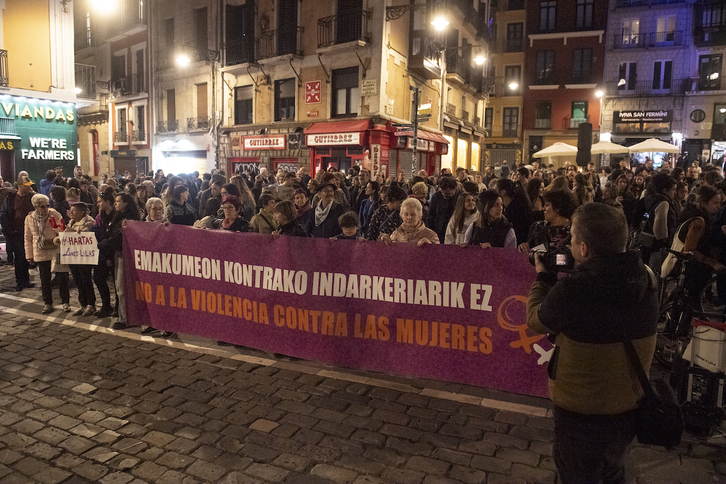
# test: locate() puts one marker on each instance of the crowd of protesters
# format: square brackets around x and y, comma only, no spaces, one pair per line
[518,210]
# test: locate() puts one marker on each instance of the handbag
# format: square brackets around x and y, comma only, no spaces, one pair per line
[659,420]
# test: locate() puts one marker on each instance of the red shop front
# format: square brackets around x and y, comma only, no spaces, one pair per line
[342,144]
[430,147]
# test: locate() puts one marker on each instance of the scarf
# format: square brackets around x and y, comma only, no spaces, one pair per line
[303,209]
[226,224]
[321,213]
[40,227]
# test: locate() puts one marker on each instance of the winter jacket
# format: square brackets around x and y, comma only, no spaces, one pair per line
[329,227]
[458,238]
[293,229]
[239,225]
[180,214]
[440,211]
[11,225]
[84,225]
[413,236]
[263,223]
[33,231]
[607,300]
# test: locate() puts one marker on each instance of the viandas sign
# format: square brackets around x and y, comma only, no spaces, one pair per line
[48,134]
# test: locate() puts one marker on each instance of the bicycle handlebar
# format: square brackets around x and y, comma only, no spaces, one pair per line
[679,255]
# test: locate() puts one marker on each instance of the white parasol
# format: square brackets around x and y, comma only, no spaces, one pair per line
[654,145]
[557,149]
[607,147]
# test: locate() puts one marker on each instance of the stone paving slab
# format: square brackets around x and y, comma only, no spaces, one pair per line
[80,402]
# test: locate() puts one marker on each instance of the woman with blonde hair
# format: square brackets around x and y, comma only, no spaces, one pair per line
[412,230]
[245,196]
[558,183]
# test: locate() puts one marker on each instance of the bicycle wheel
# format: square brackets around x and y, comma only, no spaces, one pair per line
[669,347]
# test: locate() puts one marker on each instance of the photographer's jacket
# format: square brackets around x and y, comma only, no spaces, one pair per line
[607,300]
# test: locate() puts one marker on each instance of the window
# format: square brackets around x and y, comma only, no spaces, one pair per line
[584,14]
[719,113]
[514,37]
[545,67]
[547,16]
[628,76]
[488,120]
[140,132]
[285,100]
[89,38]
[543,115]
[515,5]
[346,93]
[581,66]
[714,16]
[709,72]
[666,33]
[122,135]
[118,74]
[202,111]
[200,31]
[630,33]
[171,123]
[139,84]
[243,105]
[510,121]
[579,110]
[512,79]
[662,74]
[169,40]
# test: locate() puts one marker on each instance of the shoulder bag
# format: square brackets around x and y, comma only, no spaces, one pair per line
[659,420]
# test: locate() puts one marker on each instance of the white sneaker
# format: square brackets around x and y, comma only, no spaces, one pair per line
[66,307]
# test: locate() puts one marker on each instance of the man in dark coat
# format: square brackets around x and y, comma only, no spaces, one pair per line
[323,223]
[15,208]
[442,206]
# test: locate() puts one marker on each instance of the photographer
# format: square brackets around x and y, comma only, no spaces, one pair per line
[559,205]
[611,297]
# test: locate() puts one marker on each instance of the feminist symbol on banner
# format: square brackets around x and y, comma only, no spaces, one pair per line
[505,321]
[544,355]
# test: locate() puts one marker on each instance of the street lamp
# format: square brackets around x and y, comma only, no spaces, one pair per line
[440,23]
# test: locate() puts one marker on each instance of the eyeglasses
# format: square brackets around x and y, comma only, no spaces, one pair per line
[229,207]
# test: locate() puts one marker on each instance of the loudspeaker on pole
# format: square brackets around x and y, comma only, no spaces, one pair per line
[584,144]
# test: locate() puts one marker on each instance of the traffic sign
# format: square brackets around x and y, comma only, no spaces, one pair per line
[423,117]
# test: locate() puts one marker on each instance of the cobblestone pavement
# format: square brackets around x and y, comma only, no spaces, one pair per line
[80,402]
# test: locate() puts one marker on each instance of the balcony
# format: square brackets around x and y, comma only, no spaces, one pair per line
[501,86]
[646,88]
[464,116]
[707,36]
[274,43]
[342,28]
[456,68]
[477,121]
[509,132]
[629,41]
[121,137]
[139,83]
[170,126]
[645,3]
[203,123]
[240,52]
[665,39]
[543,123]
[132,20]
[85,81]
[705,84]
[573,123]
[7,127]
[450,109]
[138,135]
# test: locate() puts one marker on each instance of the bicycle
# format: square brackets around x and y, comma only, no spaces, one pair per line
[691,343]
[677,308]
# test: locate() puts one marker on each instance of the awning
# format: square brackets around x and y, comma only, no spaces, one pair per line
[11,137]
[339,127]
[425,135]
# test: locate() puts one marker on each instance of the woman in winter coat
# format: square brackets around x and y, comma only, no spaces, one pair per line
[464,215]
[179,211]
[412,230]
[324,221]
[125,209]
[264,222]
[41,228]
[286,217]
[491,229]
[302,206]
[233,219]
[80,222]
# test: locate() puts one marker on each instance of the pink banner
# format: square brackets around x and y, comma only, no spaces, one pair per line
[439,312]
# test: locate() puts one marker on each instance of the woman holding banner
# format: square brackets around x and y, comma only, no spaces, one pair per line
[80,222]
[41,227]
[232,221]
[126,209]
[412,230]
[491,228]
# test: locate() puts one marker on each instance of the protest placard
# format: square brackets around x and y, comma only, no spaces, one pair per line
[78,248]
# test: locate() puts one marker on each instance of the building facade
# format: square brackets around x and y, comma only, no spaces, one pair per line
[37,100]
[565,52]
[647,72]
[503,115]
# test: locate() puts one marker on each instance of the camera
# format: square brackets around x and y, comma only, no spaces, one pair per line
[554,252]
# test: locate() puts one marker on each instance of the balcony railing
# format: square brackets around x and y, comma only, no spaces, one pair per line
[477,121]
[629,41]
[170,126]
[199,123]
[580,78]
[542,123]
[280,42]
[344,27]
[544,80]
[85,81]
[7,126]
[121,137]
[240,51]
[648,88]
[132,19]
[450,109]
[665,39]
[139,83]
[706,84]
[501,86]
[455,65]
[138,135]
